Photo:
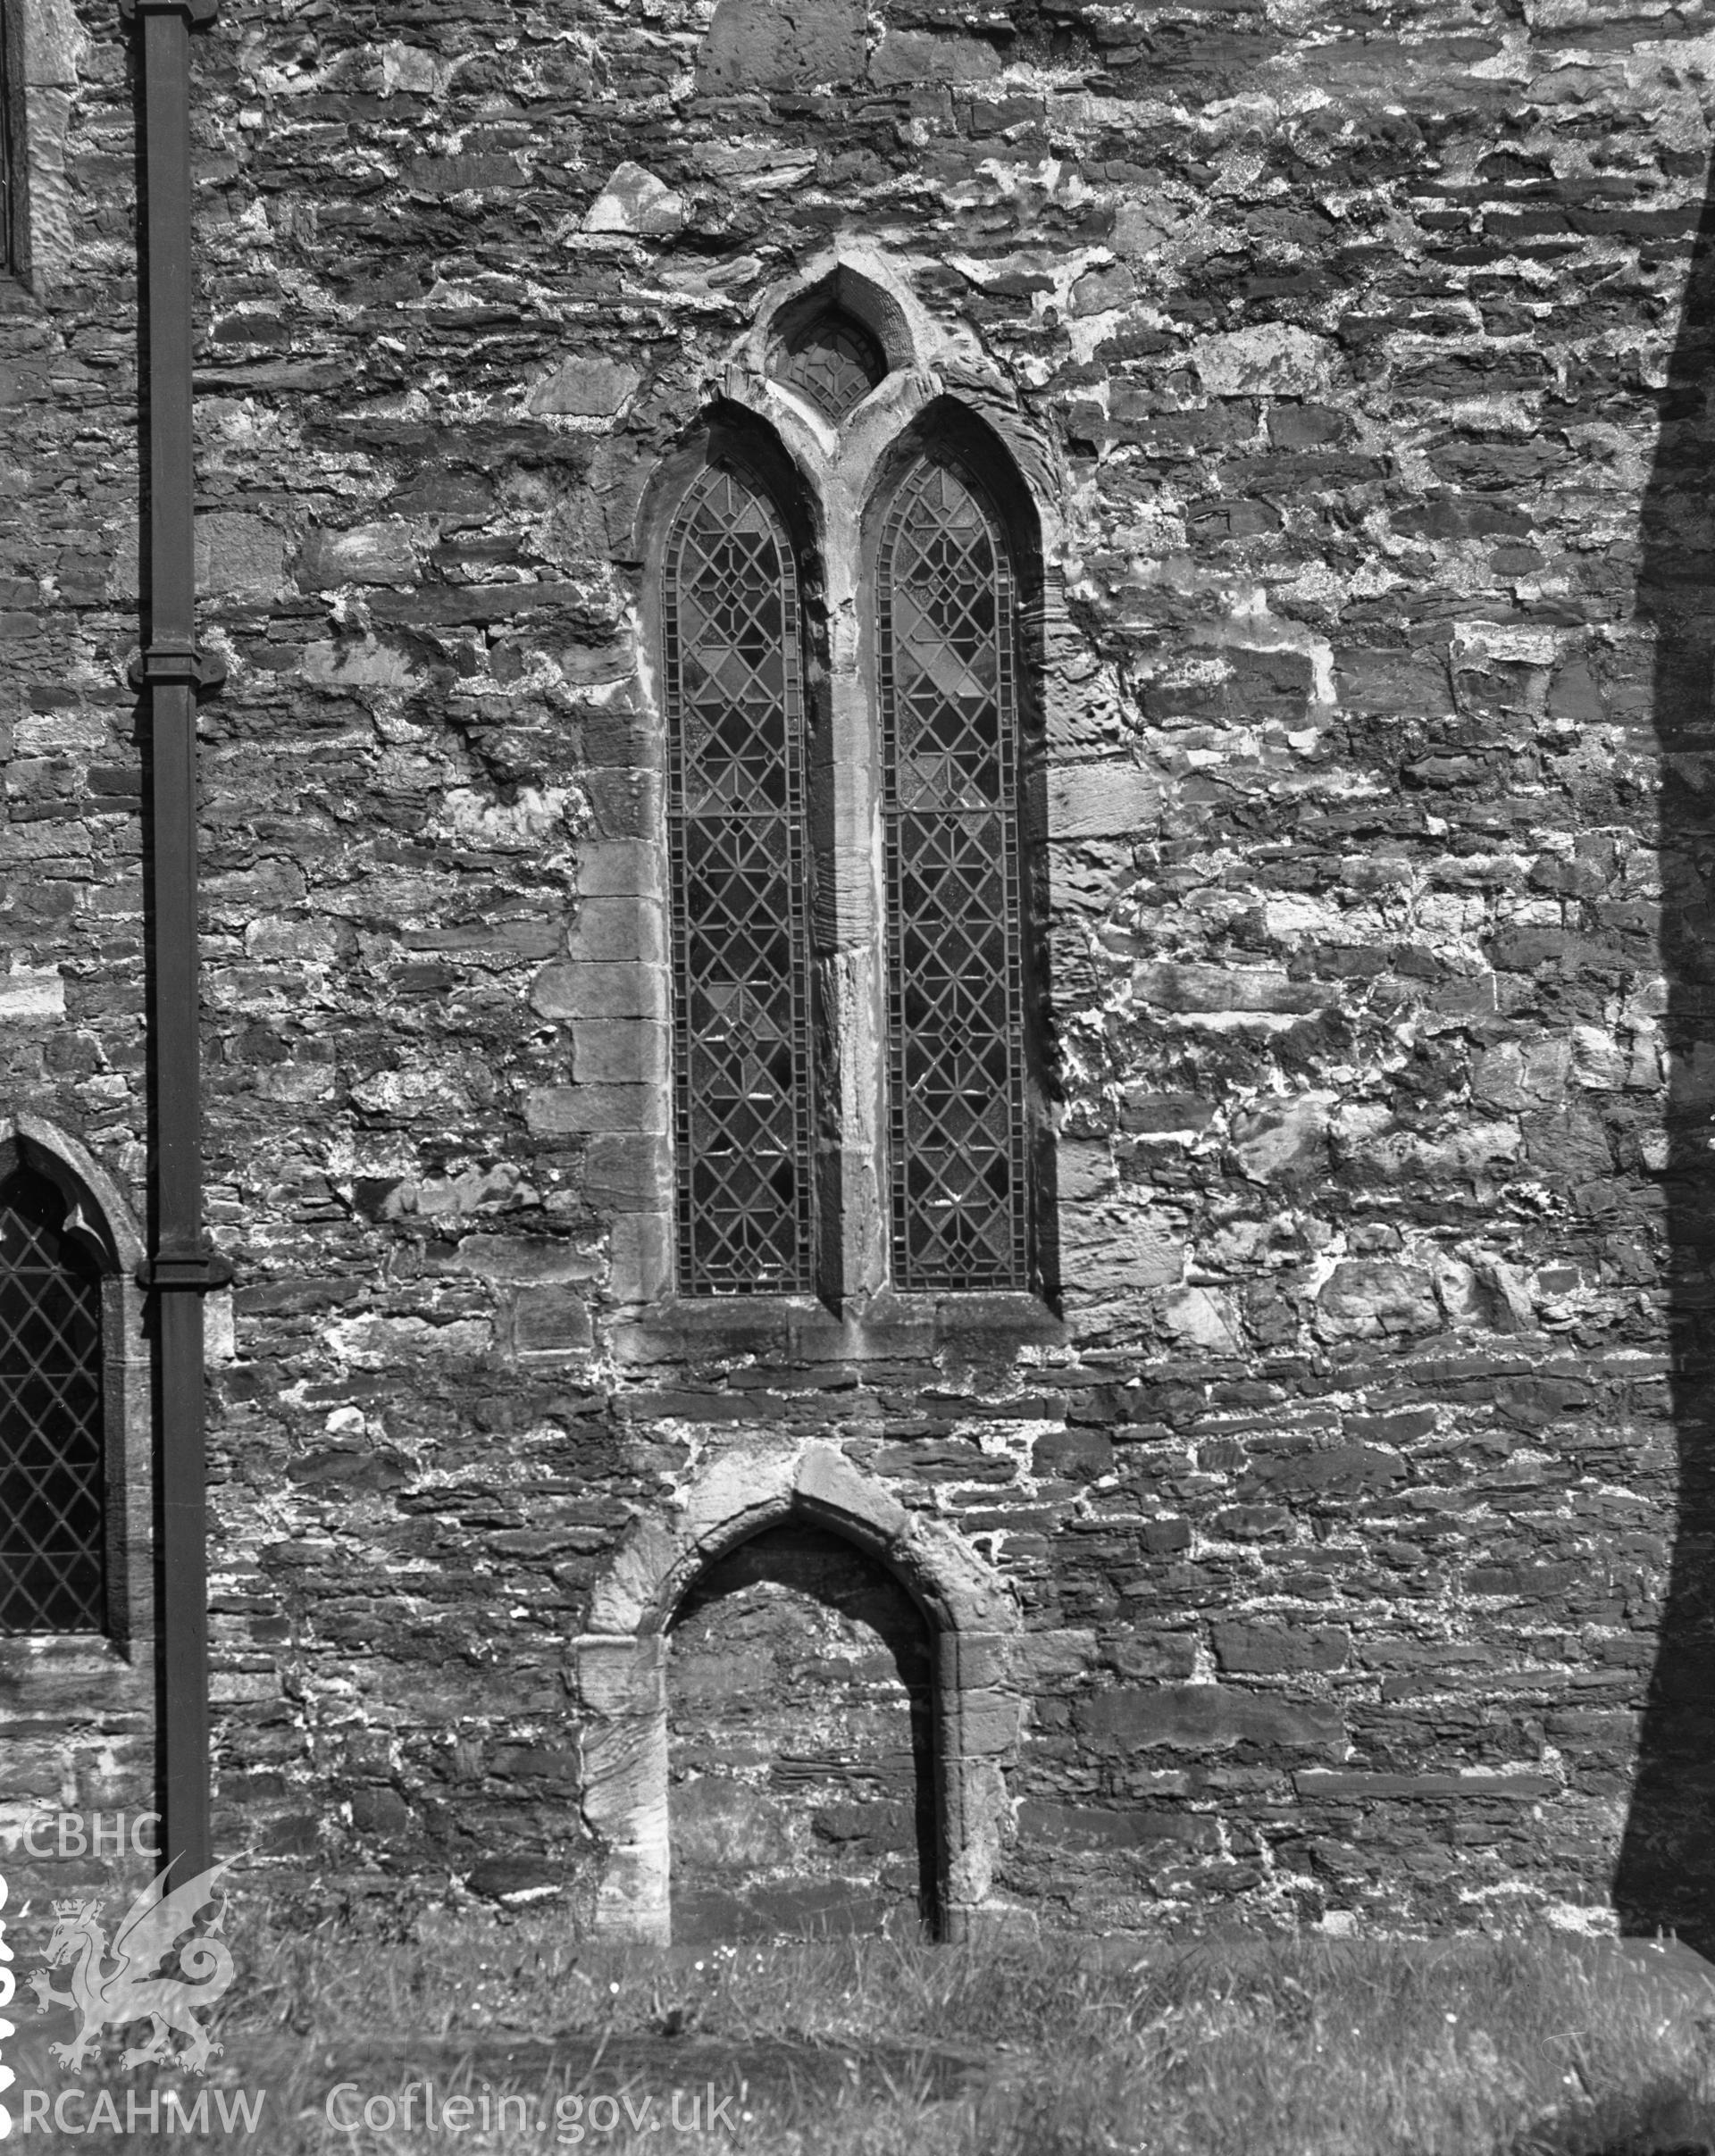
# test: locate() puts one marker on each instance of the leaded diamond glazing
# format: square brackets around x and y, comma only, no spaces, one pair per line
[51,1530]
[956,986]
[736,826]
[835,363]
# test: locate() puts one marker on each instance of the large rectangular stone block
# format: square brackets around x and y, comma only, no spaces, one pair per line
[986,1725]
[1039,1657]
[525,1258]
[1091,1826]
[965,1661]
[576,987]
[1272,1650]
[628,1171]
[563,1110]
[551,1320]
[1520,1784]
[616,867]
[1102,801]
[1193,1717]
[32,993]
[1221,988]
[642,1256]
[625,804]
[620,1051]
[620,929]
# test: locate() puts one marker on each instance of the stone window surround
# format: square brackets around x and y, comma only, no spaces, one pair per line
[938,386]
[617,1672]
[109,1668]
[44,44]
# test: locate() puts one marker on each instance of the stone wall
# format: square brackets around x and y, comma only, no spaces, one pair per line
[1356,360]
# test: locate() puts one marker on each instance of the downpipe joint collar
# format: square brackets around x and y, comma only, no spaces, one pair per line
[196,10]
[198,1270]
[175,665]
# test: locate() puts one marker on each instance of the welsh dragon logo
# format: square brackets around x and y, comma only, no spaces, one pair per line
[131,1989]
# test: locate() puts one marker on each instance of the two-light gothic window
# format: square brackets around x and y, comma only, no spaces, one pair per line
[739,813]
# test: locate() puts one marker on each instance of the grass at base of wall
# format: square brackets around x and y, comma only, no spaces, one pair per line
[1289,2048]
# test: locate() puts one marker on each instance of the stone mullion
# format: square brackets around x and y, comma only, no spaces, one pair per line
[846,816]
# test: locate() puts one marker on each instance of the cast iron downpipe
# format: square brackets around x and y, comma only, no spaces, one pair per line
[168,673]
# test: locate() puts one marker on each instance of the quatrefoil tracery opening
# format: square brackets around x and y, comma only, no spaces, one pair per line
[835,363]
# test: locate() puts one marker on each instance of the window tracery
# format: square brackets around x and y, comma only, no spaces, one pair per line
[835,363]
[854,1096]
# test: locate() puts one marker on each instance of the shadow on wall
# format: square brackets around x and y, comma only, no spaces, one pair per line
[1666,1876]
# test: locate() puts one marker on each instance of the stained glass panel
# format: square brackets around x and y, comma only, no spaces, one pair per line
[740,928]
[956,993]
[51,1531]
[836,364]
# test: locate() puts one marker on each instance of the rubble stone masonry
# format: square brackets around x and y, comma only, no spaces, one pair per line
[1348,1489]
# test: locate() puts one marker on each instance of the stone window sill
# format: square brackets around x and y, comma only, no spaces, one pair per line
[56,1658]
[802,1329]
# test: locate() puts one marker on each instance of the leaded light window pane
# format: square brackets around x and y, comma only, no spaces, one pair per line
[736,830]
[52,1528]
[956,1007]
[836,363]
[5,149]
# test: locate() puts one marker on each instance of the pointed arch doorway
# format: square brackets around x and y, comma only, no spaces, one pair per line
[911,1591]
[800,1744]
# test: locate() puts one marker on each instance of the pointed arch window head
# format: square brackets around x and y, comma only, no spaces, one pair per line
[835,363]
[956,999]
[53,1527]
[737,838]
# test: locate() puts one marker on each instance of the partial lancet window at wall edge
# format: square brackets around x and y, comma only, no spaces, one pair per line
[52,1523]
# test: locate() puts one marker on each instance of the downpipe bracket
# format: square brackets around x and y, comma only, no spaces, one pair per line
[175,665]
[196,1271]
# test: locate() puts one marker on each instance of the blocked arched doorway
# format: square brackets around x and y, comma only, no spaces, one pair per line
[620,1670]
[800,1744]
